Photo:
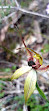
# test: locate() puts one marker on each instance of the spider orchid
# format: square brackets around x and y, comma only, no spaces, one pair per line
[31,79]
[35,62]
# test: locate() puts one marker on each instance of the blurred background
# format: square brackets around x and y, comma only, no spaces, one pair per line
[35,31]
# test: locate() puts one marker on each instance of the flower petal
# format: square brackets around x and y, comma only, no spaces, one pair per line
[30,84]
[20,72]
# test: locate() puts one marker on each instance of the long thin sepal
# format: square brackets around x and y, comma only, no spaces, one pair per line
[20,72]
[30,84]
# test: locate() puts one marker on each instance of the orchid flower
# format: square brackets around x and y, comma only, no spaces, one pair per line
[31,79]
[31,70]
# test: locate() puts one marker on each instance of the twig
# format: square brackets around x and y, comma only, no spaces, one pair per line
[14,91]
[6,108]
[4,82]
[18,82]
[6,7]
[27,12]
[33,13]
[17,3]
[5,77]
[6,62]
[5,99]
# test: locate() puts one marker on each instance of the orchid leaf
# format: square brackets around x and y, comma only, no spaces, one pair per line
[30,84]
[41,92]
[20,72]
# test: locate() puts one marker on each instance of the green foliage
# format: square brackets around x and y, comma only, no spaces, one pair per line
[2,94]
[42,50]
[1,86]
[32,103]
[5,12]
[45,49]
[2,13]
[1,90]
[5,79]
[13,67]
[35,105]
[5,69]
[25,3]
[0,2]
